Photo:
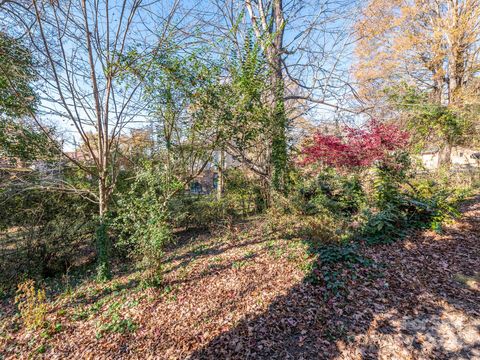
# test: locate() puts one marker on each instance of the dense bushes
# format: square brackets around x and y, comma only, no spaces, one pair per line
[367,179]
[402,202]
[200,211]
[241,197]
[376,204]
[155,206]
[332,192]
[317,209]
[43,233]
[141,220]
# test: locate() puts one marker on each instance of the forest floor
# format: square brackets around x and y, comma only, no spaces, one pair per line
[247,294]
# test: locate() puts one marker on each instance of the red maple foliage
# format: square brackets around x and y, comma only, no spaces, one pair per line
[358,148]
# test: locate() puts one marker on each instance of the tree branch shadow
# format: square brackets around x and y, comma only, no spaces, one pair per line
[417,309]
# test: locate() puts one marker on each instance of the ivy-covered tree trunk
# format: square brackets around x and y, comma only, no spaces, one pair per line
[278,158]
[102,239]
[268,23]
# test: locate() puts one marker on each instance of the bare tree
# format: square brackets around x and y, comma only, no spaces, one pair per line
[82,46]
[307,46]
[84,49]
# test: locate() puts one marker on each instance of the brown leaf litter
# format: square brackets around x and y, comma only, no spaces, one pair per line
[243,295]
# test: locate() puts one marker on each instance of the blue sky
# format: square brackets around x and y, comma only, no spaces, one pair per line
[318,58]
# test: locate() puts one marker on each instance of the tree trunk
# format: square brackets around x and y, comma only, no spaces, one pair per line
[445,156]
[279,146]
[437,91]
[103,241]
[220,179]
[268,23]
[455,75]
[279,139]
[102,195]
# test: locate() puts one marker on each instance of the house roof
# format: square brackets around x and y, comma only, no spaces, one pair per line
[431,150]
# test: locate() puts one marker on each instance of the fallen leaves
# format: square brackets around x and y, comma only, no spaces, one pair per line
[420,300]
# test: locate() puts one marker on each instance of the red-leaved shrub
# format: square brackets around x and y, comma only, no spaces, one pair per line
[358,148]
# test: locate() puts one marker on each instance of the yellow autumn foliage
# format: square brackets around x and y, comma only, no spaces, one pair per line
[32,304]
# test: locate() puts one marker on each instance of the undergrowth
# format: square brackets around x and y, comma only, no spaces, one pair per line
[335,213]
[31,304]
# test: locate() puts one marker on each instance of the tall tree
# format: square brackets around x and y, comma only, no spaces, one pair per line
[82,46]
[304,44]
[431,45]
[268,21]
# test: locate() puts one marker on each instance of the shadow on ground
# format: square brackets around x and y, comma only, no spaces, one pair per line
[419,307]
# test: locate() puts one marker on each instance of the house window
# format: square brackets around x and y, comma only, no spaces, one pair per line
[196,187]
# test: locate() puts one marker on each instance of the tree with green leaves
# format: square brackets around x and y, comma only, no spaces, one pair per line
[301,45]
[81,45]
[431,122]
[19,139]
[17,72]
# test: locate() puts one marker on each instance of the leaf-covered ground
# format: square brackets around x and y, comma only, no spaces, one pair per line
[247,294]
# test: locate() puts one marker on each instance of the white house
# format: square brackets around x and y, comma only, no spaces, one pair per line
[460,157]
